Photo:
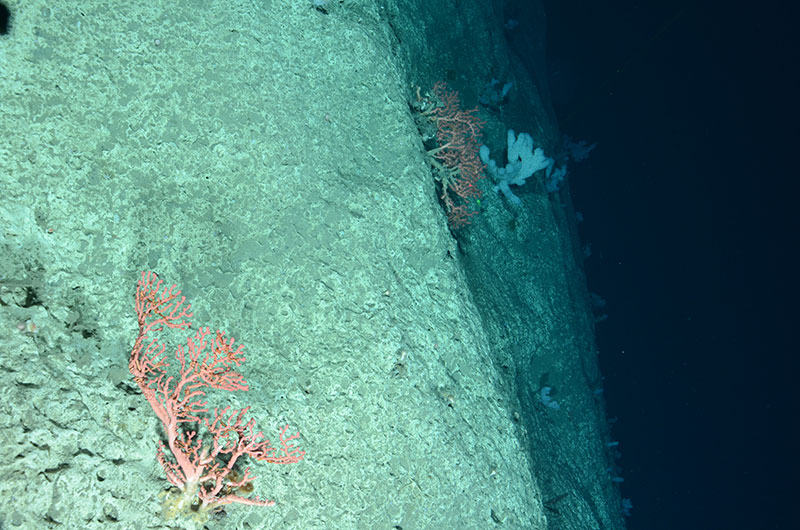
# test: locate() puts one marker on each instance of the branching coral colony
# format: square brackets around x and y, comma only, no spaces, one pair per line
[458,167]
[204,476]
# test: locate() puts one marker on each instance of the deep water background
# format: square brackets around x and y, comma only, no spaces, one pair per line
[690,207]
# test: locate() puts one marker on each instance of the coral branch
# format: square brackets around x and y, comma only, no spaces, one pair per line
[205,476]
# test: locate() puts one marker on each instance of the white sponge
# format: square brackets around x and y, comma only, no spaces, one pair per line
[523,161]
